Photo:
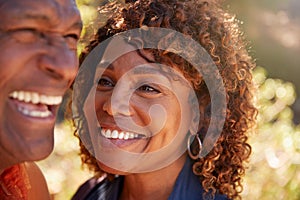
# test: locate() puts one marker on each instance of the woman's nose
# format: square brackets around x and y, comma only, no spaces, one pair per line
[117,106]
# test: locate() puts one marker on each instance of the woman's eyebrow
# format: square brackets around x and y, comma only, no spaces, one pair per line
[146,70]
[106,65]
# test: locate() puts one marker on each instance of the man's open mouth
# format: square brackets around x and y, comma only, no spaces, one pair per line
[34,104]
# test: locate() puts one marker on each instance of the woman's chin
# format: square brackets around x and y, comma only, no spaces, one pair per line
[110,170]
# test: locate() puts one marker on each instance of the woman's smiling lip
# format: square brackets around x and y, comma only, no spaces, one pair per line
[122,135]
[119,138]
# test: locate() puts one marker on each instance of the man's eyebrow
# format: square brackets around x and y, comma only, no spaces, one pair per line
[77,25]
[37,16]
[45,18]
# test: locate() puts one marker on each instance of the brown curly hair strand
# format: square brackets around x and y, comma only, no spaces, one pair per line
[217,31]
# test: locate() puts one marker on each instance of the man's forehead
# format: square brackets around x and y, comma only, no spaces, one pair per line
[44,10]
[43,1]
[12,7]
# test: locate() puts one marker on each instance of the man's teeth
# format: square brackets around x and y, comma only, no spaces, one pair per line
[114,134]
[34,113]
[36,98]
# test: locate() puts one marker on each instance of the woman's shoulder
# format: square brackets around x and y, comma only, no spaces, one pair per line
[188,186]
[88,186]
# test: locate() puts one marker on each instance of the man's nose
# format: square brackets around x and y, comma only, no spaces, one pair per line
[59,61]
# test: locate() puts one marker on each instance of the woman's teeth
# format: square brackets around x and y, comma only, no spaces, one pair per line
[115,134]
[35,98]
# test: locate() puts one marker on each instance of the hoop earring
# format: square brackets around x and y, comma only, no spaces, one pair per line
[194,157]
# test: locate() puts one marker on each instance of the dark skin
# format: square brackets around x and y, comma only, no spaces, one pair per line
[39,61]
[142,185]
[222,168]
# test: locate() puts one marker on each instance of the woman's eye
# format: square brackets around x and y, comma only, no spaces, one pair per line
[27,35]
[105,83]
[148,89]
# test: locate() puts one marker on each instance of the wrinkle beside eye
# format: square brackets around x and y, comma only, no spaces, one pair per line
[27,35]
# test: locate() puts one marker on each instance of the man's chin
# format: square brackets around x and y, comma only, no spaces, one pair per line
[38,150]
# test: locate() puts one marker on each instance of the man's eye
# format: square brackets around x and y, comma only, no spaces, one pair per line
[148,89]
[71,40]
[27,35]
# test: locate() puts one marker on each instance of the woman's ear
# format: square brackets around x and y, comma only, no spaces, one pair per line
[195,121]
[205,119]
[196,114]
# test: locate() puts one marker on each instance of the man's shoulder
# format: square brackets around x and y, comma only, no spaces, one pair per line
[37,181]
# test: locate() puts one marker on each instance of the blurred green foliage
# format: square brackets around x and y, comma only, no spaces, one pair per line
[274,168]
[62,169]
[273,27]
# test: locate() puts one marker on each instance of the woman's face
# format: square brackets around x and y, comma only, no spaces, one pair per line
[141,107]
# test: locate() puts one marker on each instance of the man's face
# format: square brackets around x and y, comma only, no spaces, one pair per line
[38,62]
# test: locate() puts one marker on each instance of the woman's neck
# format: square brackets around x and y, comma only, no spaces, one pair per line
[153,185]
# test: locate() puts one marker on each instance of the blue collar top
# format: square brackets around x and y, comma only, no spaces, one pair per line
[187,187]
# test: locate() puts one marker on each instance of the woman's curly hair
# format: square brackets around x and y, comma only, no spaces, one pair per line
[217,31]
